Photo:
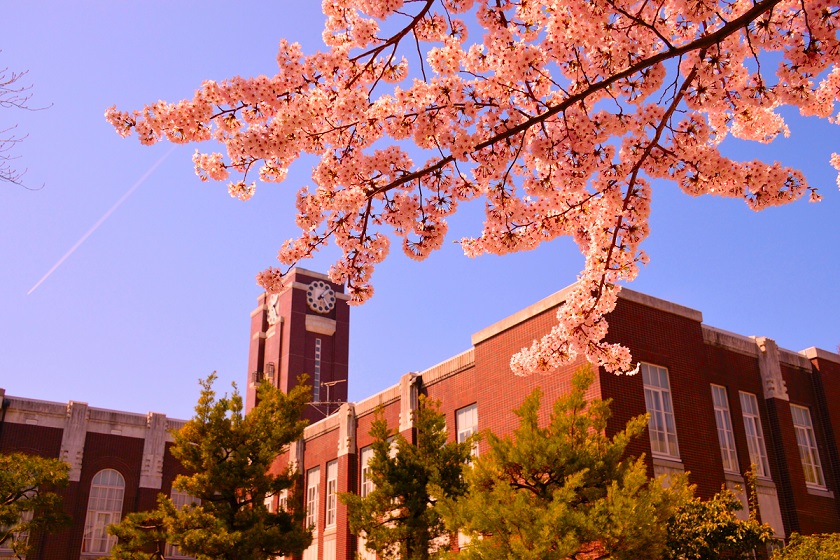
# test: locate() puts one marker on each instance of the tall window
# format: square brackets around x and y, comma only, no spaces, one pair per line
[807,443]
[466,424]
[316,376]
[179,500]
[755,435]
[22,537]
[663,430]
[283,500]
[104,508]
[366,484]
[723,420]
[332,488]
[313,484]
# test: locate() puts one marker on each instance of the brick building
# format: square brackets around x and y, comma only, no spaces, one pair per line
[119,463]
[718,401]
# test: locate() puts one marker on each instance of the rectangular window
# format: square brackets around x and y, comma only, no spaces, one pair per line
[755,435]
[313,484]
[316,376]
[807,443]
[365,483]
[283,500]
[332,488]
[723,420]
[663,429]
[21,538]
[466,424]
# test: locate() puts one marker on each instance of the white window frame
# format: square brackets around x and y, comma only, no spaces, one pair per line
[105,504]
[755,434]
[662,425]
[332,494]
[22,537]
[723,420]
[283,500]
[806,440]
[313,486]
[466,424]
[365,483]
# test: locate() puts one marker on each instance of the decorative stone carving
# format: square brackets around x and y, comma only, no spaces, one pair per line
[346,429]
[296,454]
[408,400]
[154,447]
[73,438]
[770,368]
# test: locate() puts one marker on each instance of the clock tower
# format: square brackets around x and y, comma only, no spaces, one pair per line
[305,328]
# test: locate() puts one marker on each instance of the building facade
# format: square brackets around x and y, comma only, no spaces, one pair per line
[718,402]
[119,463]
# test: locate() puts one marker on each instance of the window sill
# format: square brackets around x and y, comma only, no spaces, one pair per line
[673,463]
[331,530]
[765,481]
[735,478]
[820,491]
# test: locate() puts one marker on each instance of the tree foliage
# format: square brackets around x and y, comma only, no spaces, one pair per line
[559,114]
[811,547]
[567,490]
[230,455]
[28,501]
[400,518]
[711,529]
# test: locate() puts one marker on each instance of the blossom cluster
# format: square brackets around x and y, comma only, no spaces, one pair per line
[559,116]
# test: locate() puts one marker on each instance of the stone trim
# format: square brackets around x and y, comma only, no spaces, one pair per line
[448,368]
[741,344]
[320,325]
[154,448]
[794,359]
[409,395]
[771,371]
[73,438]
[77,419]
[346,429]
[541,306]
[321,427]
[382,398]
[820,354]
[822,492]
[557,298]
[660,304]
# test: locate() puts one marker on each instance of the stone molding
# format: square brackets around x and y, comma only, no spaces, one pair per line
[771,370]
[346,429]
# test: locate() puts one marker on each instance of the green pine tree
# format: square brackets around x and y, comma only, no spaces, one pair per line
[28,503]
[566,490]
[400,518]
[230,455]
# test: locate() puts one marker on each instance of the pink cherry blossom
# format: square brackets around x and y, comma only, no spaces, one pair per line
[557,113]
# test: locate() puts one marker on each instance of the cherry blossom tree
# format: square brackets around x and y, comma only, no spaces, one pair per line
[558,114]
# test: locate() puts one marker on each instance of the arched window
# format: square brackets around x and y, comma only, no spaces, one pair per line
[104,508]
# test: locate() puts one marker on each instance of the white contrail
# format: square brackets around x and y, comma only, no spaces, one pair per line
[103,218]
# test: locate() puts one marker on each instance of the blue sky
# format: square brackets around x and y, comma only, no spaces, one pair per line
[160,294]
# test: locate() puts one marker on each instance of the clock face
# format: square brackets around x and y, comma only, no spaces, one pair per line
[273,309]
[320,297]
